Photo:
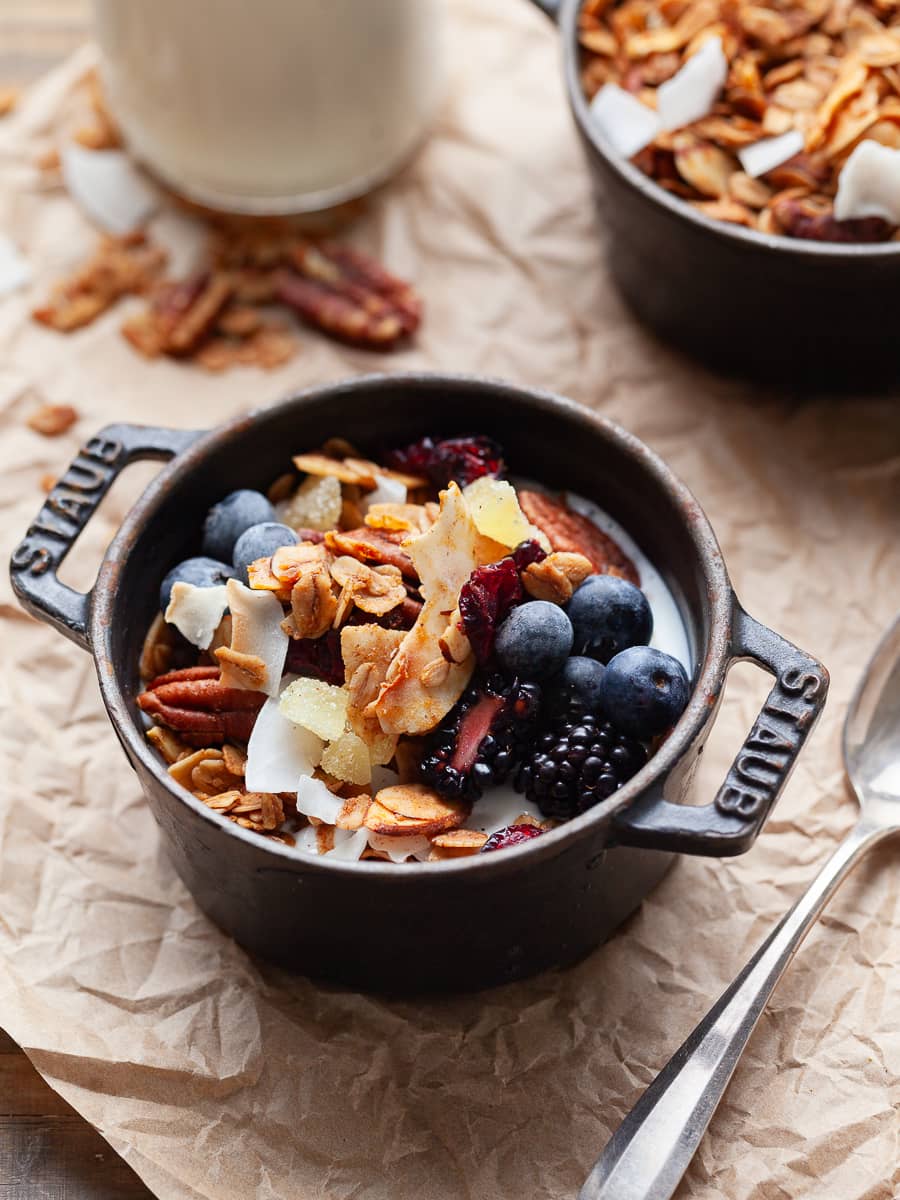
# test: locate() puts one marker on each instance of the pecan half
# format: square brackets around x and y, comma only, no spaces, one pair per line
[181,315]
[373,546]
[348,295]
[200,707]
[570,531]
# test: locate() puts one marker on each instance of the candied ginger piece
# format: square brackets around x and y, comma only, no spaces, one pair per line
[320,707]
[496,512]
[348,759]
[316,504]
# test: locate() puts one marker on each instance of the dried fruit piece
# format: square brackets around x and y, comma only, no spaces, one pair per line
[316,504]
[462,460]
[317,658]
[348,759]
[496,512]
[511,835]
[485,599]
[317,706]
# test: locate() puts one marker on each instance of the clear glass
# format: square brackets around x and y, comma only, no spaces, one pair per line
[272,106]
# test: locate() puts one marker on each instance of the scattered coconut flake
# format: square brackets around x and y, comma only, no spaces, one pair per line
[387,491]
[196,612]
[306,841]
[15,272]
[383,777]
[869,184]
[279,753]
[399,849]
[315,800]
[108,187]
[770,153]
[256,619]
[348,845]
[692,91]
[318,706]
[626,123]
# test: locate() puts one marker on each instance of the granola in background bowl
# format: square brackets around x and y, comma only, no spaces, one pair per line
[784,119]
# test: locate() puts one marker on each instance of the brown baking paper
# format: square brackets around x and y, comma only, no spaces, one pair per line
[218,1076]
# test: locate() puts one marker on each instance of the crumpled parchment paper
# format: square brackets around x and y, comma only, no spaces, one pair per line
[217,1076]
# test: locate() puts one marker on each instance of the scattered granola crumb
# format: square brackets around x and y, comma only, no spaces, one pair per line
[48,482]
[52,419]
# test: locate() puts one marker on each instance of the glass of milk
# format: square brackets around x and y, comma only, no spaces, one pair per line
[272,106]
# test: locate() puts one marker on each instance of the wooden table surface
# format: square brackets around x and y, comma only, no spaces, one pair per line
[47,1151]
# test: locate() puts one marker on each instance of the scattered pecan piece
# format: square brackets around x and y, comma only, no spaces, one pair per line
[348,295]
[198,705]
[556,577]
[52,419]
[119,266]
[180,316]
[571,532]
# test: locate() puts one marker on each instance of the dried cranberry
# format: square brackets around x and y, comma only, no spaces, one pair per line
[512,835]
[317,658]
[527,553]
[462,459]
[485,599]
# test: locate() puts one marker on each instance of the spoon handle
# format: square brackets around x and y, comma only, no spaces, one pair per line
[652,1148]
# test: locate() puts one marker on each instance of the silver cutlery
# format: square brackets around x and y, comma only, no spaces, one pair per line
[649,1153]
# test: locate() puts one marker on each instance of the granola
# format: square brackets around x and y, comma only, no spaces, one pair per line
[803,86]
[390,664]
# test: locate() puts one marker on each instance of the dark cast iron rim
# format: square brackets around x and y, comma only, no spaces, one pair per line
[706,688]
[636,179]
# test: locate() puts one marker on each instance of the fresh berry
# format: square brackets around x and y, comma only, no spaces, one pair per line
[482,739]
[260,541]
[227,520]
[527,553]
[463,459]
[512,835]
[576,689]
[201,572]
[609,614]
[317,658]
[534,641]
[485,600]
[644,691]
[576,764]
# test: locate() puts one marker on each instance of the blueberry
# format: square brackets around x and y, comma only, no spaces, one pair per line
[644,692]
[260,541]
[227,520]
[576,687]
[201,572]
[608,615]
[534,641]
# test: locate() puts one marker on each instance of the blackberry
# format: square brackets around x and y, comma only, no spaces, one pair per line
[482,739]
[576,764]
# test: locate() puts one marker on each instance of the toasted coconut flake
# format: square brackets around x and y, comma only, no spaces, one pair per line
[196,612]
[626,123]
[256,632]
[869,185]
[349,846]
[388,490]
[279,752]
[444,558]
[15,271]
[692,91]
[108,187]
[764,156]
[340,469]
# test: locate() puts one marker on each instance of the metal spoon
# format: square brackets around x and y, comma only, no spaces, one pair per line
[648,1154]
